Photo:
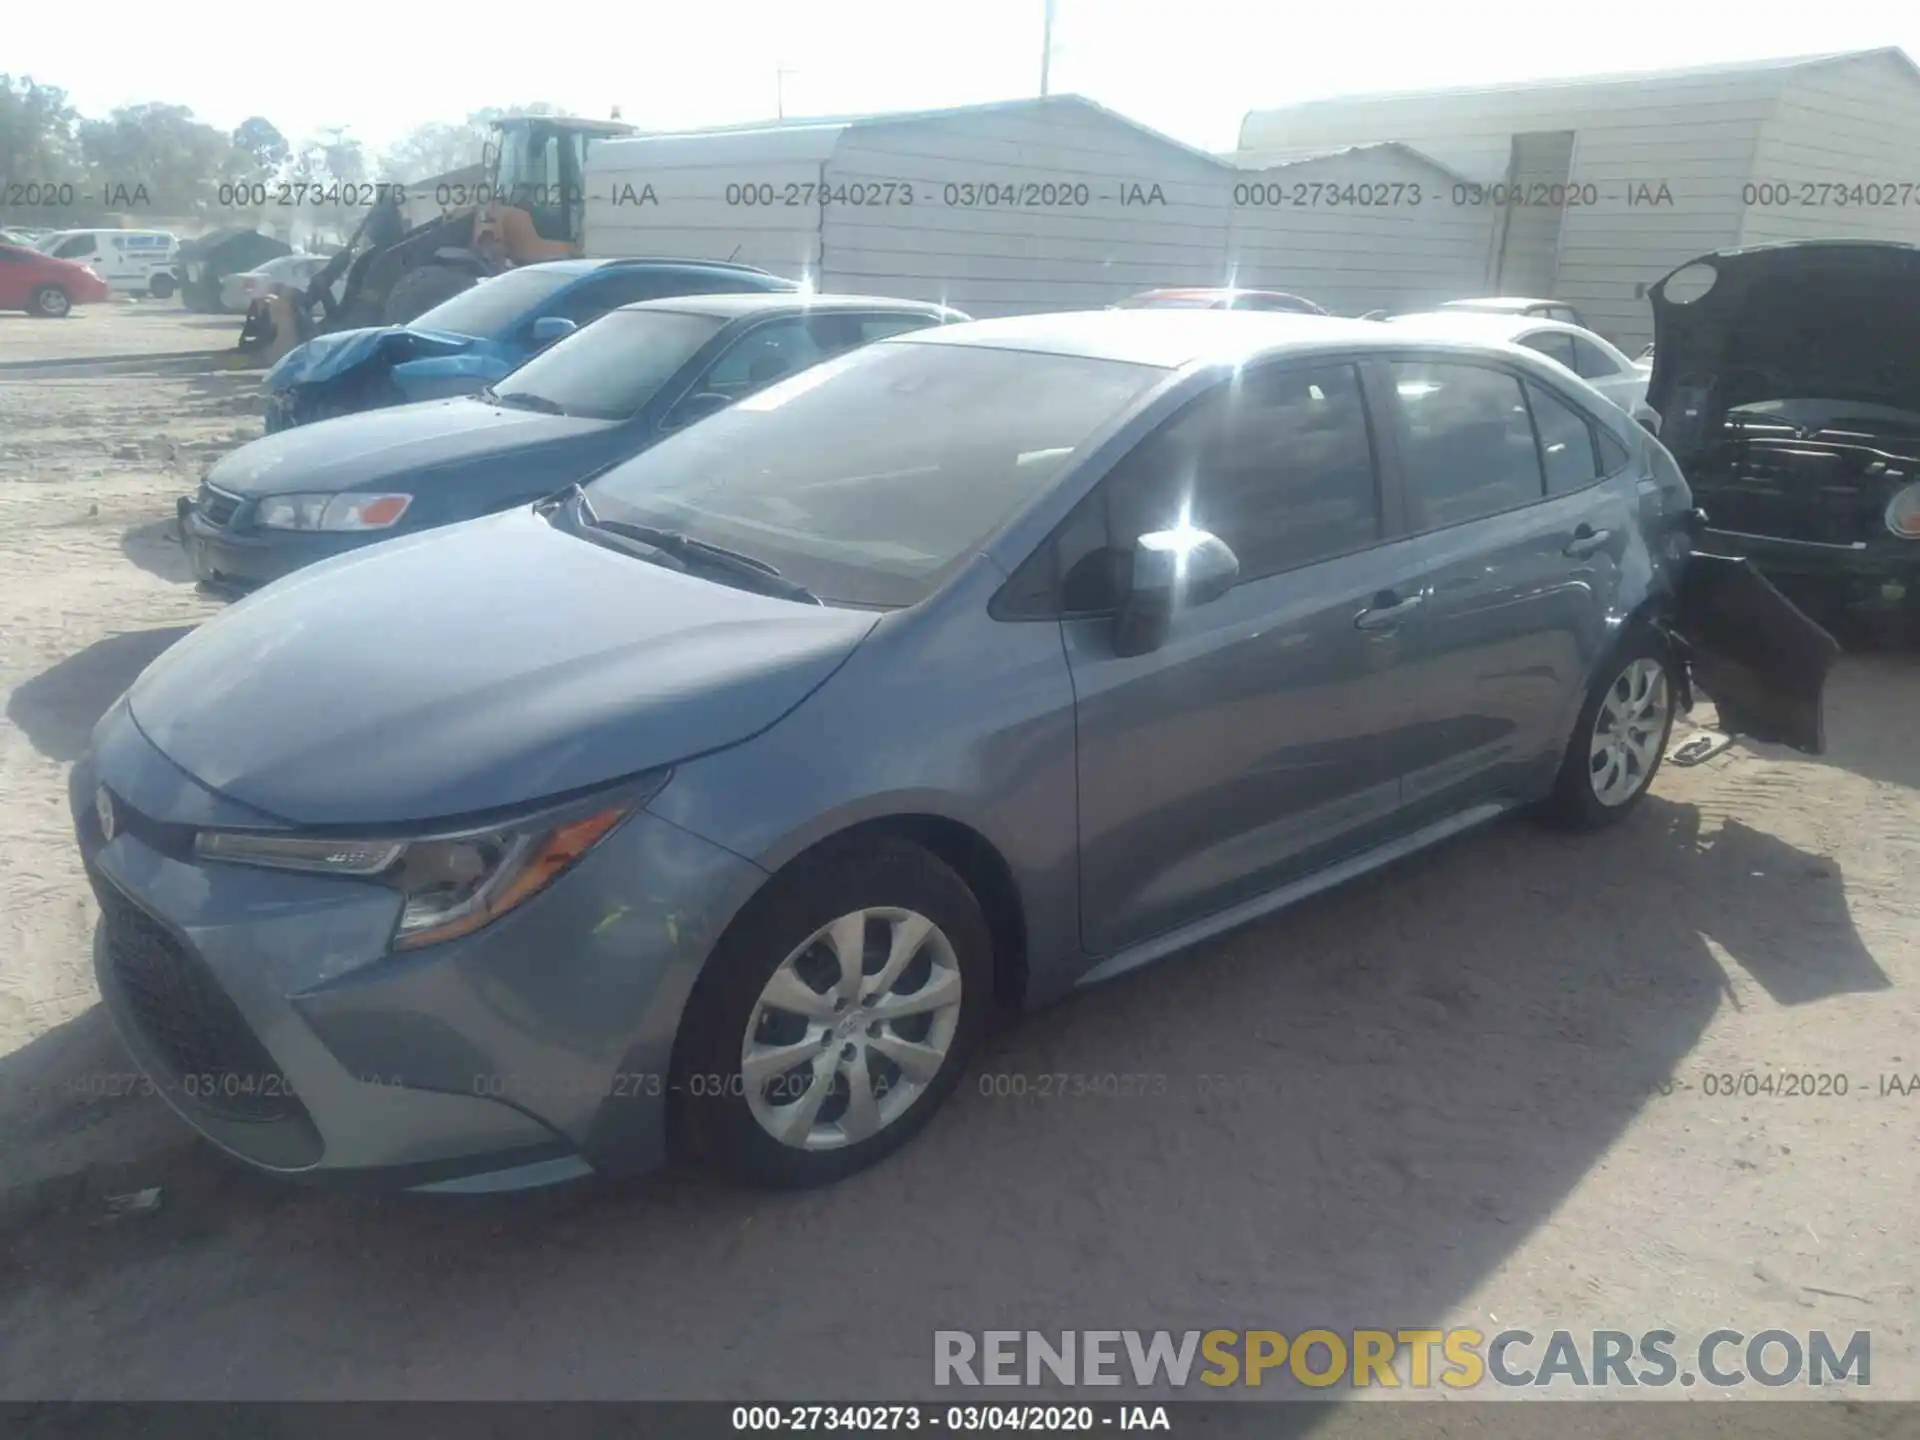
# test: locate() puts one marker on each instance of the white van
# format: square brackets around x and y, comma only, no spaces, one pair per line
[139,262]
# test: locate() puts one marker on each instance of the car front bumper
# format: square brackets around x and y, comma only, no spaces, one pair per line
[266,1008]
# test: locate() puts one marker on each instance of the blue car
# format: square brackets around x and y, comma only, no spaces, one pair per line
[466,343]
[597,397]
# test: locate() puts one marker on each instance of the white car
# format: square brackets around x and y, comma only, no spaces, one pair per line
[135,262]
[296,272]
[1608,369]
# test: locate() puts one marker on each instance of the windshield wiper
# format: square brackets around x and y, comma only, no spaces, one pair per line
[523,400]
[688,553]
[703,553]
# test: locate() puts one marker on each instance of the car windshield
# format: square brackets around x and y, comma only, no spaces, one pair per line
[609,369]
[494,305]
[869,478]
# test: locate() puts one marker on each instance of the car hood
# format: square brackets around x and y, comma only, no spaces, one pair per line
[353,451]
[326,356]
[1820,318]
[473,668]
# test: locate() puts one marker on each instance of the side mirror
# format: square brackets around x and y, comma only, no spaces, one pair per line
[695,407]
[1173,570]
[549,328]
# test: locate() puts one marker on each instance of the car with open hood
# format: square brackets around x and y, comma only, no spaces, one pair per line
[598,396]
[473,339]
[1789,379]
[717,804]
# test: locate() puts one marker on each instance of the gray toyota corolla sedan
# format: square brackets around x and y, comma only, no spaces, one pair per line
[714,806]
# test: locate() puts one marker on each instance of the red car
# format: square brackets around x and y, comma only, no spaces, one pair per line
[42,285]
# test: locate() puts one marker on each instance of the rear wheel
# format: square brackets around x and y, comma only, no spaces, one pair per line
[418,291]
[834,1016]
[50,302]
[1618,742]
[161,287]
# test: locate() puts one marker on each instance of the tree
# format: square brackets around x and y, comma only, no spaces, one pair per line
[259,147]
[438,147]
[174,160]
[37,145]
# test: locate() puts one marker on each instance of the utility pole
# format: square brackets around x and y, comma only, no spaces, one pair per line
[780,92]
[1046,46]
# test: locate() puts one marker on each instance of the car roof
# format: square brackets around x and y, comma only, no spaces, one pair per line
[1168,339]
[587,267]
[760,302]
[1501,303]
[1500,323]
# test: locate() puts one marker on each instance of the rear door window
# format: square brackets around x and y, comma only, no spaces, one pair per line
[878,327]
[1591,361]
[1566,443]
[1469,446]
[1554,344]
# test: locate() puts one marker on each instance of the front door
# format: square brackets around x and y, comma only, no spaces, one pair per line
[1522,553]
[1249,747]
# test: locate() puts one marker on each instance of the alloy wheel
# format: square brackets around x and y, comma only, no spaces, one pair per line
[851,1028]
[1628,731]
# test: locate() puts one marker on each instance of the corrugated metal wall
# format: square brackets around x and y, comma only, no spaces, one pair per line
[1015,209]
[1113,211]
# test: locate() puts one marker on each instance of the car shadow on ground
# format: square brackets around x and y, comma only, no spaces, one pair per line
[57,708]
[1349,1115]
[155,548]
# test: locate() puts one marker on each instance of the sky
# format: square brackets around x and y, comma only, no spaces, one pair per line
[1191,68]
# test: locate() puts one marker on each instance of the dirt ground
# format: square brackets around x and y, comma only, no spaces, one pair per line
[1479,1089]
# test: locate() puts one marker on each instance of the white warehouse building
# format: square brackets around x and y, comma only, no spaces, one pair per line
[1045,204]
[1619,179]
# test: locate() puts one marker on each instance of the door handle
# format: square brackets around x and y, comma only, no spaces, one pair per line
[1387,611]
[1586,540]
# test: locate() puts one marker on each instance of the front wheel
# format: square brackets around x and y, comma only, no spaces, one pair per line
[49,301]
[834,1016]
[1618,742]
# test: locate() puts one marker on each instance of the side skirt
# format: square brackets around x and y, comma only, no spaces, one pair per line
[1247,911]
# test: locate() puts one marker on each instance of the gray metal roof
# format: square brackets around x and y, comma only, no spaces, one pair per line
[1775,65]
[827,129]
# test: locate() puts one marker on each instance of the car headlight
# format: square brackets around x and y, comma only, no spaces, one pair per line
[1903,513]
[452,884]
[330,512]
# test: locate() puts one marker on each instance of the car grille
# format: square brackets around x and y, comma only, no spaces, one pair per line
[189,1021]
[217,507]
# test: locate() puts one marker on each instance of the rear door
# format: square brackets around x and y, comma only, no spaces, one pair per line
[1249,748]
[1523,538]
[1760,660]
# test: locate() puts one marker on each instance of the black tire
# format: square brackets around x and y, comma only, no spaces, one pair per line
[161,287]
[711,1120]
[418,291]
[50,302]
[1575,803]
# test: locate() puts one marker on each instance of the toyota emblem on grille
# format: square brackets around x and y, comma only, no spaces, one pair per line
[103,808]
